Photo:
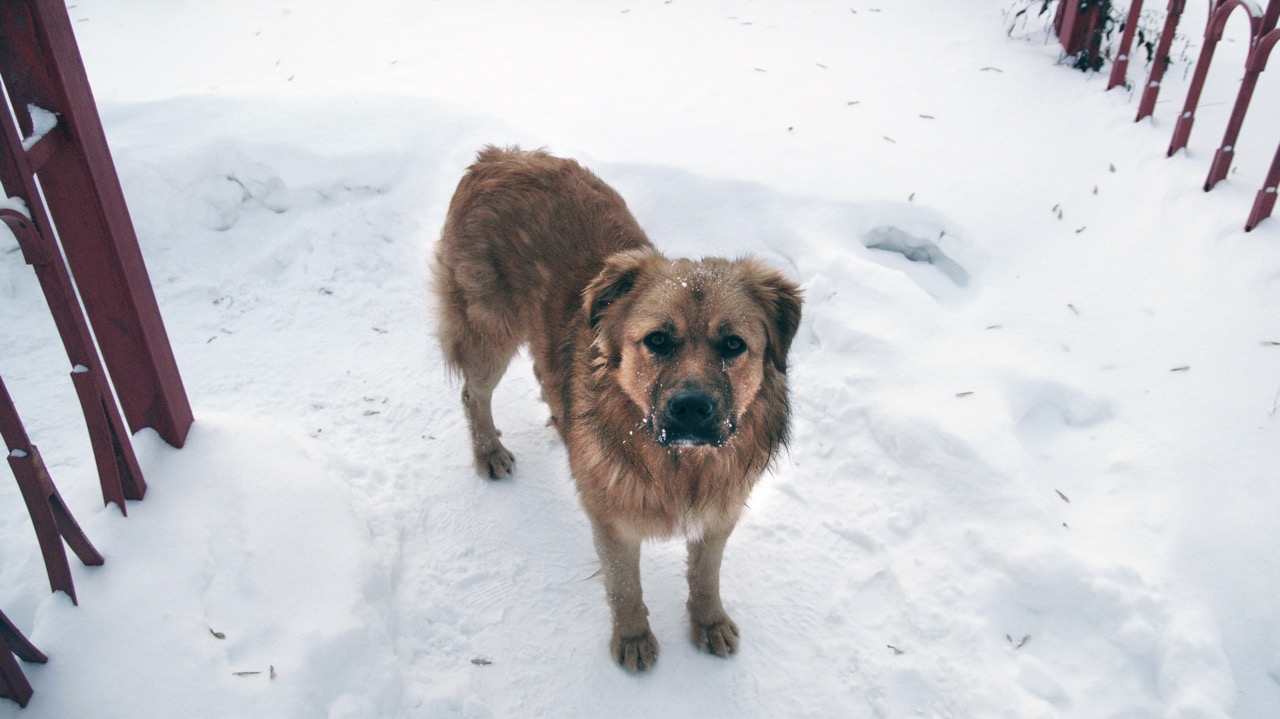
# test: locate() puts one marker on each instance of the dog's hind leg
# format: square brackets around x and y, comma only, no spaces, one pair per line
[478,342]
[482,367]
[711,628]
[481,357]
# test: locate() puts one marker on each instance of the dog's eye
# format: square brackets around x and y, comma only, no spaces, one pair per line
[732,346]
[659,343]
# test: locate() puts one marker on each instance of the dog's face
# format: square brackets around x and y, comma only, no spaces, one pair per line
[691,342]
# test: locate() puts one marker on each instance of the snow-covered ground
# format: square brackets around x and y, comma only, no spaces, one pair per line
[1035,477]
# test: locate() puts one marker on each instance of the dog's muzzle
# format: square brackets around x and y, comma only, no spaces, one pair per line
[691,417]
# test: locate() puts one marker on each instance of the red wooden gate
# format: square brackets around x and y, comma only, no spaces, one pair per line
[65,179]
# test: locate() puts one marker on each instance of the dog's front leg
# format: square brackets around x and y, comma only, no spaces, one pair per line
[633,645]
[711,628]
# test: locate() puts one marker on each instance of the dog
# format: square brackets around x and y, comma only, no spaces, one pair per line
[666,378]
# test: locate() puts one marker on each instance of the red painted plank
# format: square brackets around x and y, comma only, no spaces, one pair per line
[41,65]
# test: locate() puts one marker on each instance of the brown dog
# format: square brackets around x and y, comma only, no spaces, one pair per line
[666,378]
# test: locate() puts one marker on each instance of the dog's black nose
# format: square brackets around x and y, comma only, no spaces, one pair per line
[691,418]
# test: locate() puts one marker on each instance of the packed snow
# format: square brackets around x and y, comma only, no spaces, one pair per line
[42,123]
[1036,454]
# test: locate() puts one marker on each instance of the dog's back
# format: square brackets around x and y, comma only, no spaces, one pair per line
[514,215]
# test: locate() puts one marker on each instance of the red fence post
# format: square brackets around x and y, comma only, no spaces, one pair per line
[1261,44]
[1120,67]
[1161,62]
[1077,24]
[118,470]
[49,514]
[1064,24]
[1265,202]
[13,683]
[1212,35]
[41,65]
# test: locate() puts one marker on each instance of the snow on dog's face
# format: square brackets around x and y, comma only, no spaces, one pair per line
[691,342]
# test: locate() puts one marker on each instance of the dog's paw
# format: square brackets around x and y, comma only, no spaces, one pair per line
[719,637]
[497,462]
[635,654]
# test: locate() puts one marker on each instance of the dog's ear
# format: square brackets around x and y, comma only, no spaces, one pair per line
[614,281]
[781,299]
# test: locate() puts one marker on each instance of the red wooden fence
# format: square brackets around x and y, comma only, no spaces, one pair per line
[1077,20]
[77,236]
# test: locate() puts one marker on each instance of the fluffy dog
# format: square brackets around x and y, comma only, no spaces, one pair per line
[666,378]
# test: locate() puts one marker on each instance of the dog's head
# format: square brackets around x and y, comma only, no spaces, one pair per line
[691,342]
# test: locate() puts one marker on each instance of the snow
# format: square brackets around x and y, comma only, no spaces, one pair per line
[42,123]
[16,204]
[1045,490]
